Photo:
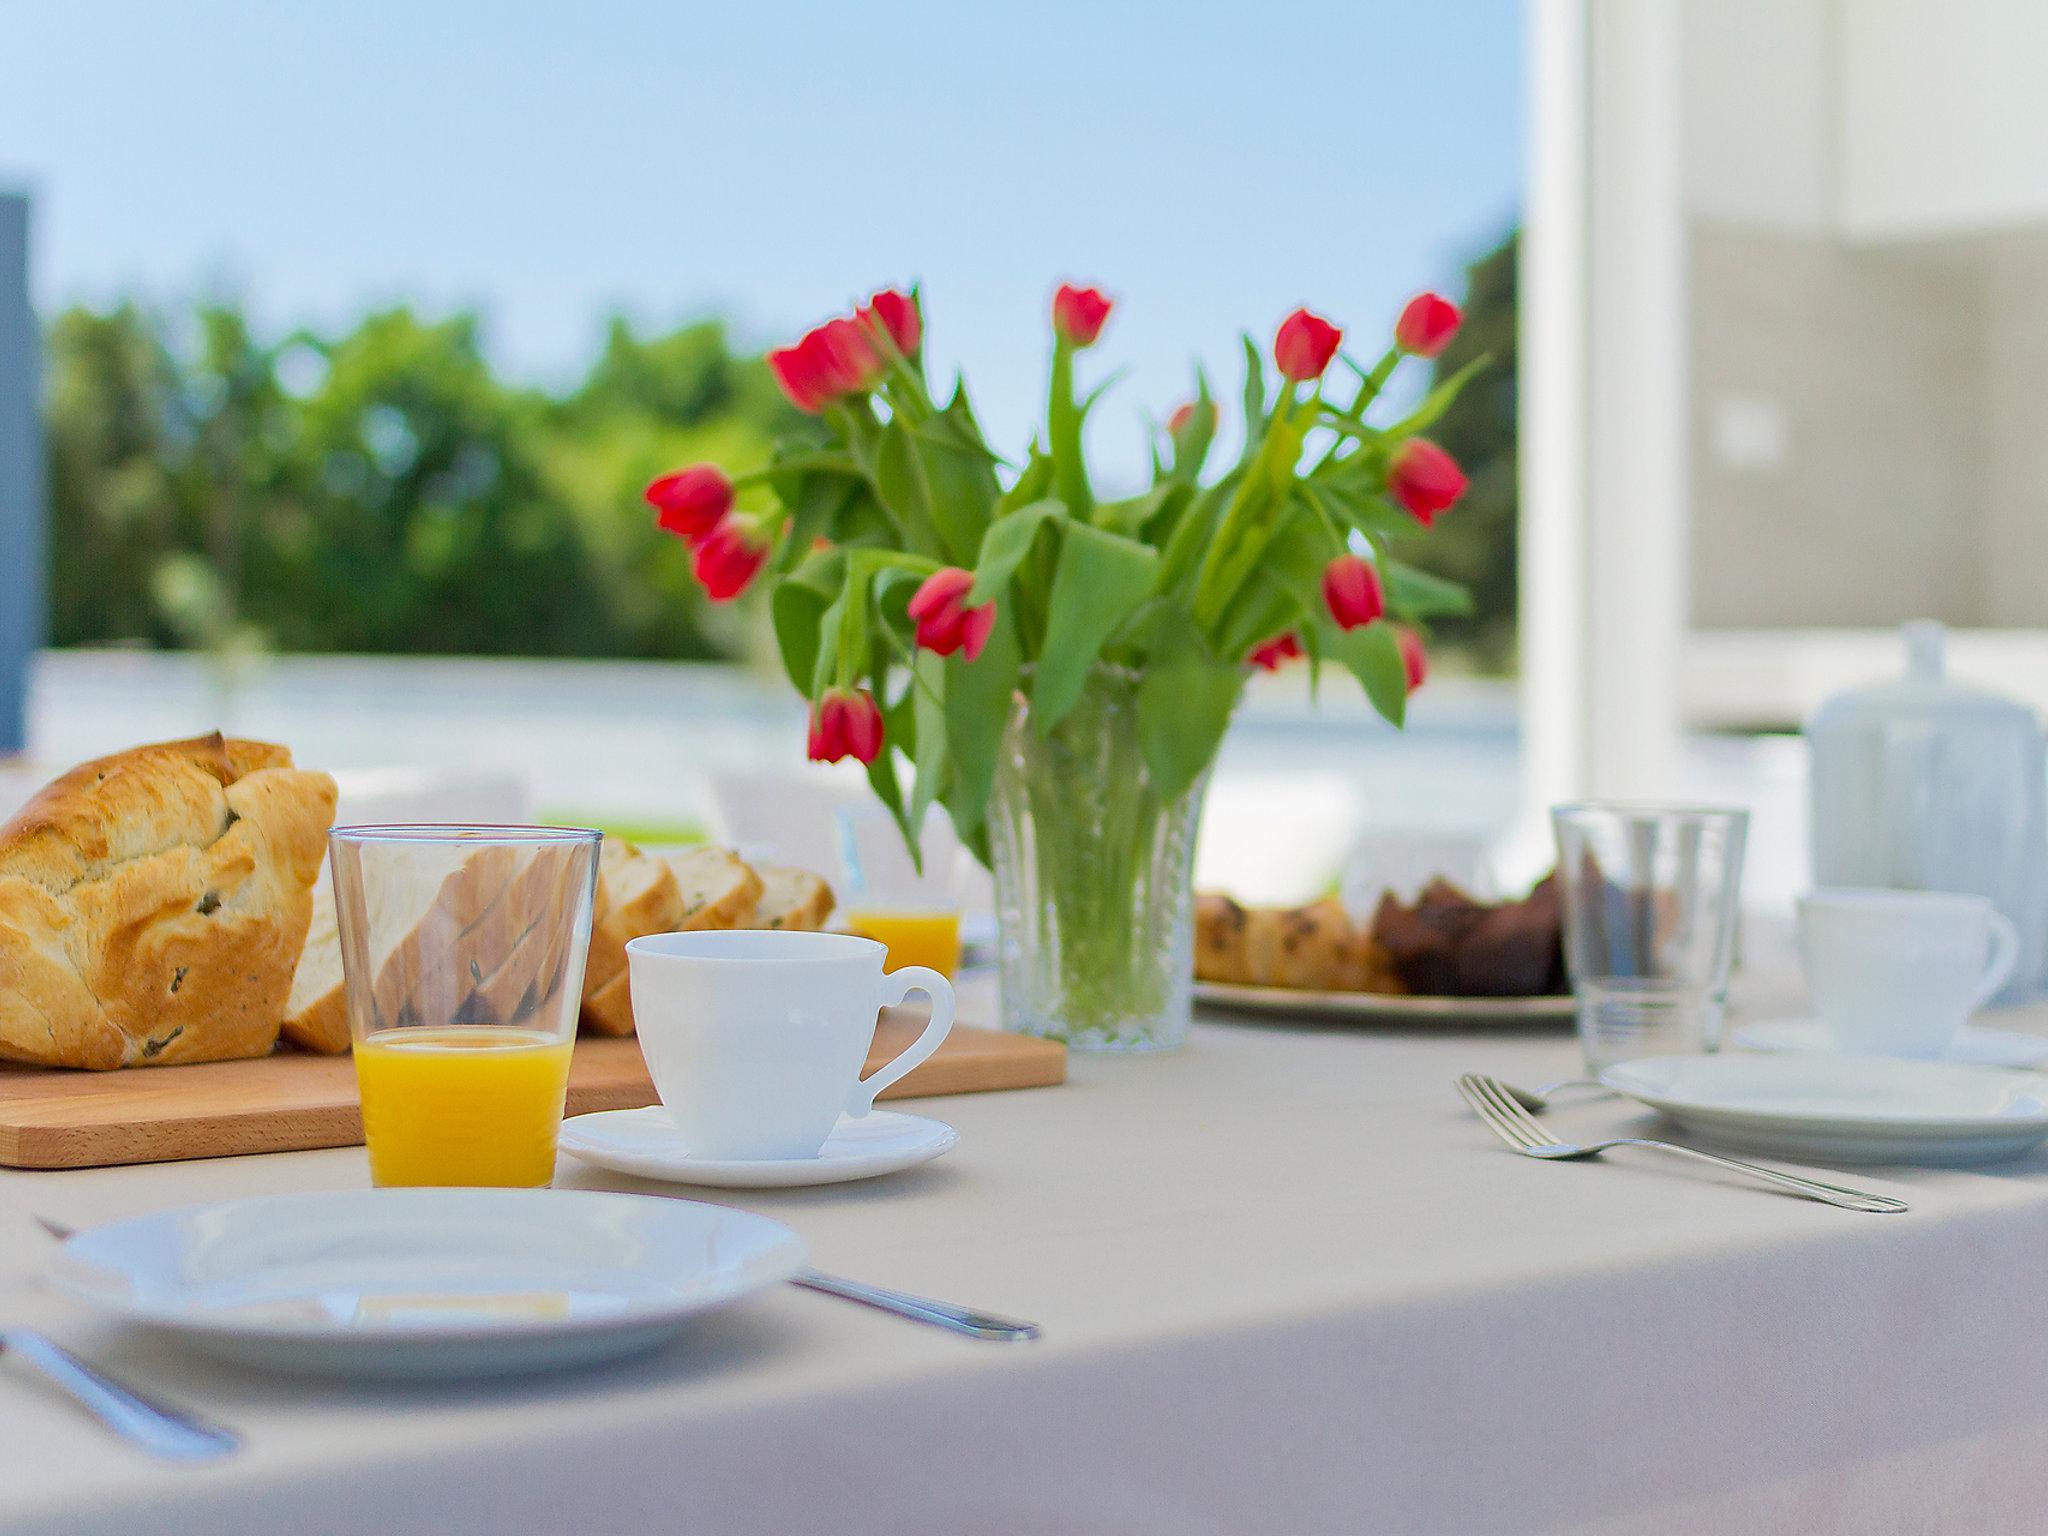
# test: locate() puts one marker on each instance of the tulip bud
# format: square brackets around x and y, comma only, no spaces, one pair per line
[855,366]
[1078,314]
[1183,417]
[1424,479]
[944,625]
[1276,652]
[1414,659]
[1352,591]
[845,723]
[1304,345]
[690,502]
[801,370]
[1427,325]
[729,557]
[895,314]
[831,360]
[863,726]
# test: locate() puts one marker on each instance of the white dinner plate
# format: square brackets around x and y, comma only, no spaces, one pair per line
[1844,1109]
[645,1142]
[1384,1007]
[1975,1045]
[428,1282]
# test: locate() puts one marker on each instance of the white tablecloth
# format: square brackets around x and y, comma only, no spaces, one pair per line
[1289,1285]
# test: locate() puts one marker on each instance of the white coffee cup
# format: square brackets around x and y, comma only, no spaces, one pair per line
[1898,973]
[756,1040]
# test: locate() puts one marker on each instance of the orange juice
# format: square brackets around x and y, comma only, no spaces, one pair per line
[462,1105]
[928,936]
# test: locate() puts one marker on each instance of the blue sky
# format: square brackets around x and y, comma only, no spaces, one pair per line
[1210,164]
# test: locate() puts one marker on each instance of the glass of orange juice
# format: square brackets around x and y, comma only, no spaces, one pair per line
[913,912]
[462,952]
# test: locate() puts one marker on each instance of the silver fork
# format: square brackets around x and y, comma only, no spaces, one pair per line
[160,1428]
[1496,1104]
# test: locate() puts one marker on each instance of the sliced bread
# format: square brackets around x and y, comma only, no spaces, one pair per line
[718,890]
[316,1012]
[636,894]
[791,899]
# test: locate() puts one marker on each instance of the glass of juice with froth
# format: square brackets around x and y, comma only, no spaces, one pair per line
[911,910]
[462,951]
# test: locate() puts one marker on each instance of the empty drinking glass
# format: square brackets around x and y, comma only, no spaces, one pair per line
[1650,900]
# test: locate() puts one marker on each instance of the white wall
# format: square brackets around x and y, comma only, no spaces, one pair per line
[1760,128]
[1945,116]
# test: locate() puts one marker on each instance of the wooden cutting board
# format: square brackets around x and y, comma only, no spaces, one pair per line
[290,1102]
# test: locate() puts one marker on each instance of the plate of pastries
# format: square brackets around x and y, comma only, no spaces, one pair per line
[170,904]
[1444,957]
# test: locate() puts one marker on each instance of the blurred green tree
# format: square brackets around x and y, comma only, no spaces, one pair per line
[380,490]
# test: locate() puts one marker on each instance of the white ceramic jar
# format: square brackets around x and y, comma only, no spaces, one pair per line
[1922,784]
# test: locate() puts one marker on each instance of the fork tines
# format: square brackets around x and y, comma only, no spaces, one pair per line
[1503,1115]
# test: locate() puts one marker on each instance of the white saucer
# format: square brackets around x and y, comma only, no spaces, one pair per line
[645,1142]
[428,1282]
[1975,1046]
[1844,1109]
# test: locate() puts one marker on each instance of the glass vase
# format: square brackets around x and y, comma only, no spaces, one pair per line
[1094,876]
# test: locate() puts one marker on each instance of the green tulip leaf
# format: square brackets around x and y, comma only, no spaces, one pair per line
[1099,581]
[1418,595]
[979,696]
[1373,656]
[1437,401]
[797,608]
[1184,709]
[1006,545]
[929,676]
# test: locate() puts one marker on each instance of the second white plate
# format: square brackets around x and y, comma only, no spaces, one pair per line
[1844,1109]
[1975,1045]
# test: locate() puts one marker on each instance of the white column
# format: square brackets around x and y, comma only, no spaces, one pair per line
[1603,542]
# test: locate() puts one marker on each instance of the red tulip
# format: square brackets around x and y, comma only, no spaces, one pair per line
[1427,325]
[1305,344]
[1078,314]
[1414,660]
[1277,652]
[691,501]
[845,723]
[1183,417]
[856,366]
[1424,479]
[831,360]
[729,557]
[801,371]
[1352,591]
[895,314]
[944,625]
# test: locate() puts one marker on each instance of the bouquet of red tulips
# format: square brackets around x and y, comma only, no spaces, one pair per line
[921,582]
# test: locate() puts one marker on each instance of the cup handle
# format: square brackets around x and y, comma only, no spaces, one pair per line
[896,986]
[2005,954]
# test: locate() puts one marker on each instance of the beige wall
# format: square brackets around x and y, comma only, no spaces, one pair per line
[1871,506]
[2015,540]
[1866,312]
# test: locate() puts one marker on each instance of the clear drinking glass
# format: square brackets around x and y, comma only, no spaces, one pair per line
[1650,900]
[462,953]
[913,913]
